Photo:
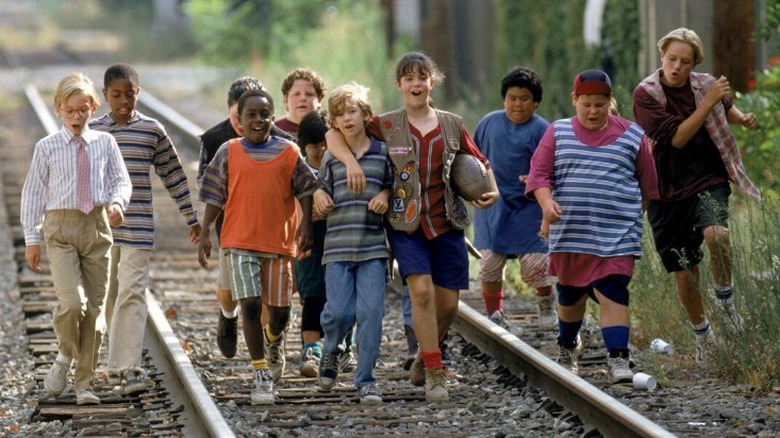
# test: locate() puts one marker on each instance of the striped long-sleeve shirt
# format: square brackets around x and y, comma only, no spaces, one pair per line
[355,234]
[145,144]
[51,180]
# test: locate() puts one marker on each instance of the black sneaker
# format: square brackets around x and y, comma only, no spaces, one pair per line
[370,394]
[227,335]
[329,370]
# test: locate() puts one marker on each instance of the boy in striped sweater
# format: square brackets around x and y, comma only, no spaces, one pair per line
[592,174]
[355,253]
[144,144]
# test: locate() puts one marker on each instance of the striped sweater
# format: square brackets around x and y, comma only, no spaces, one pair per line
[599,195]
[355,234]
[144,145]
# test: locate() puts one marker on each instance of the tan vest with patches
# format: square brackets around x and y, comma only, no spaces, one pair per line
[404,211]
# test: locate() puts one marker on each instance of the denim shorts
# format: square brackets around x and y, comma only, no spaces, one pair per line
[445,257]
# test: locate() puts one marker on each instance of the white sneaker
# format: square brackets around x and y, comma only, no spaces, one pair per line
[56,378]
[263,391]
[499,319]
[619,370]
[704,344]
[733,321]
[274,354]
[86,397]
[548,314]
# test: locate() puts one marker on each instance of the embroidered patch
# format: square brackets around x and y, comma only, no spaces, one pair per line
[398,205]
[388,124]
[411,212]
[400,150]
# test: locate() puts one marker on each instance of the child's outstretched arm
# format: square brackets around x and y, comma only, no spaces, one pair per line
[748,120]
[337,145]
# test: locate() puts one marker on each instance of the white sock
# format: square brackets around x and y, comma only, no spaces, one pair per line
[230,315]
[64,359]
[702,328]
[724,293]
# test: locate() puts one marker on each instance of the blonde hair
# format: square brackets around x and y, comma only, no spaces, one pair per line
[613,106]
[683,35]
[72,84]
[341,96]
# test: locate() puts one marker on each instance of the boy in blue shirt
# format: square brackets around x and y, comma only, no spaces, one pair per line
[508,138]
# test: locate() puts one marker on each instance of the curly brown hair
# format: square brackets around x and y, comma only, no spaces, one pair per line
[306,74]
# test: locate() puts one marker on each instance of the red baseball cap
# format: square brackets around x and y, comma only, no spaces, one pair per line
[592,82]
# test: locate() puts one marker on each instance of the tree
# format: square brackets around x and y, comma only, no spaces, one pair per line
[732,41]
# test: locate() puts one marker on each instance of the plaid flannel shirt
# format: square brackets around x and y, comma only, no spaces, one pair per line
[717,126]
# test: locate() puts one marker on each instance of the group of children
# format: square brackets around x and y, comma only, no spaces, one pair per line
[323,217]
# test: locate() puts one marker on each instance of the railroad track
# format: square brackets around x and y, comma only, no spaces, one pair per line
[184,292]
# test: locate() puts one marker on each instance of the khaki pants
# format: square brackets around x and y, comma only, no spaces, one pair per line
[126,310]
[78,247]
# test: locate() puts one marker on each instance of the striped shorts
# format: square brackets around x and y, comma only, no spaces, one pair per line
[533,268]
[268,277]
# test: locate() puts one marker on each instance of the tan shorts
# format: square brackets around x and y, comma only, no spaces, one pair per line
[270,278]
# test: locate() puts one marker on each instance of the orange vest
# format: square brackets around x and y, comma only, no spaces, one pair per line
[260,210]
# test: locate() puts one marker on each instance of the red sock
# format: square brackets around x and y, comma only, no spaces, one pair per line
[544,291]
[432,359]
[493,301]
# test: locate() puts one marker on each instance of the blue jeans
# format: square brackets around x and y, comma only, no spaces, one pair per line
[346,305]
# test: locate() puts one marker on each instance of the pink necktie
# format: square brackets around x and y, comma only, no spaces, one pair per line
[83,186]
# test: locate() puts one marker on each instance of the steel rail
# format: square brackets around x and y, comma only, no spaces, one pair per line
[593,406]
